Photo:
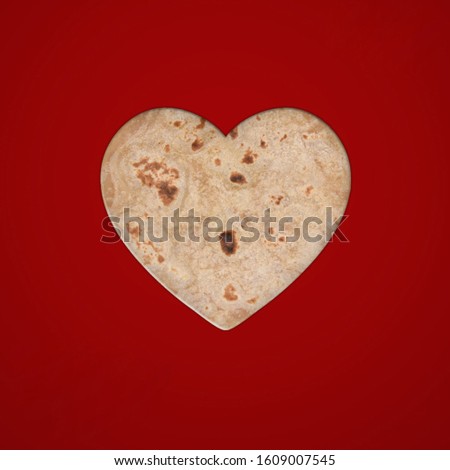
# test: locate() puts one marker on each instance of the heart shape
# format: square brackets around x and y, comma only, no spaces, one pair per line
[172,182]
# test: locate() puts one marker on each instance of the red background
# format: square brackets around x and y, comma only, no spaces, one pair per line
[96,354]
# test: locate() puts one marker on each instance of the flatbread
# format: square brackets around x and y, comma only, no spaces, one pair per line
[285,160]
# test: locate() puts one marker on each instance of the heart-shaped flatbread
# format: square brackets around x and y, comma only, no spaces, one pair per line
[193,205]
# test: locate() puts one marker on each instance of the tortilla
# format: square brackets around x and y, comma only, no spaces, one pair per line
[283,160]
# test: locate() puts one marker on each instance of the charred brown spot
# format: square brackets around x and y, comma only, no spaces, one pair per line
[167,148]
[234,133]
[258,118]
[153,166]
[160,176]
[228,242]
[197,144]
[146,179]
[237,178]
[318,163]
[133,231]
[282,239]
[230,293]
[177,123]
[308,190]
[277,199]
[252,300]
[160,258]
[143,161]
[150,243]
[217,161]
[283,138]
[263,144]
[305,136]
[166,191]
[202,123]
[249,157]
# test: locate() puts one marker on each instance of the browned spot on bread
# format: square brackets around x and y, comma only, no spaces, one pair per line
[228,242]
[249,157]
[202,123]
[160,176]
[308,190]
[157,170]
[283,138]
[197,144]
[143,161]
[277,199]
[238,178]
[160,258]
[150,243]
[252,300]
[258,118]
[282,239]
[177,123]
[153,166]
[133,231]
[263,144]
[318,163]
[147,259]
[230,293]
[167,148]
[234,133]
[146,179]
[167,192]
[271,230]
[305,136]
[217,161]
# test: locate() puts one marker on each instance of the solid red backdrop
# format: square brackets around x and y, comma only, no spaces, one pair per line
[96,354]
